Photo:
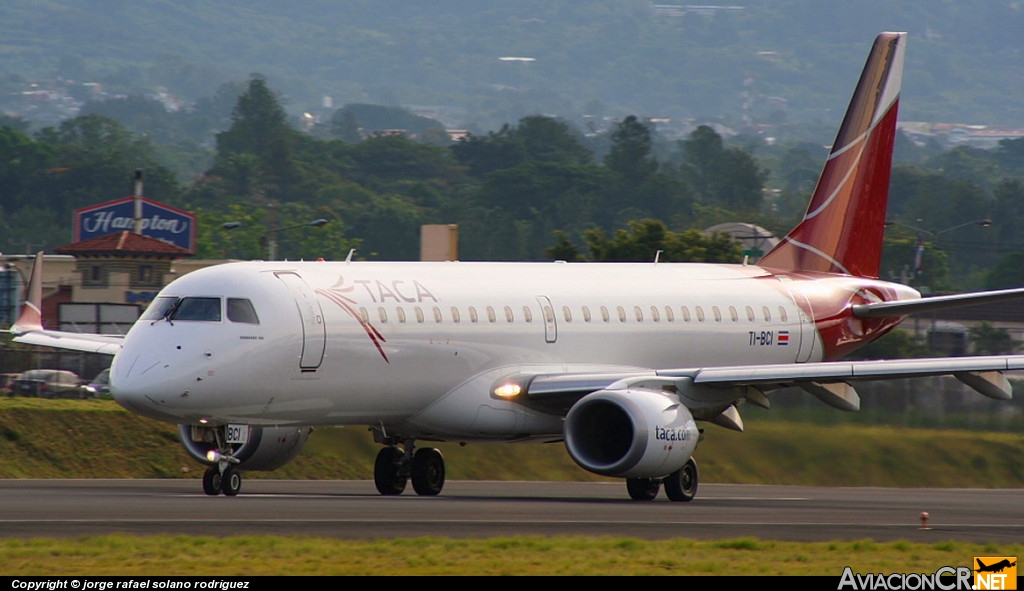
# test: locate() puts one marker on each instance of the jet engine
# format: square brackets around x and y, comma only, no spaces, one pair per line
[630,433]
[267,448]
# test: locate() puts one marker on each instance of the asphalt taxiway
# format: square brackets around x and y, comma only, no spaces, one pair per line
[353,509]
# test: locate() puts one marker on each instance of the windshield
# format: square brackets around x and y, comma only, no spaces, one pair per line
[204,309]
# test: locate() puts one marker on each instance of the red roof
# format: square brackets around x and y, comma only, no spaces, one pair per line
[122,244]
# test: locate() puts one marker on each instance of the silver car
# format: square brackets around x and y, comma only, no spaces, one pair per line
[48,383]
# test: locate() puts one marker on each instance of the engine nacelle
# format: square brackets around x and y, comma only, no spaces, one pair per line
[267,448]
[630,433]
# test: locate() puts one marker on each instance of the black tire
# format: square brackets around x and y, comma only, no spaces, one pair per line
[643,489]
[212,481]
[387,476]
[427,472]
[681,485]
[231,482]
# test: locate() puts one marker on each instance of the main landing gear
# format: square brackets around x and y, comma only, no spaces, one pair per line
[395,466]
[680,485]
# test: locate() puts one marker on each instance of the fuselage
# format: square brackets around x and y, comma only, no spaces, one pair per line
[380,343]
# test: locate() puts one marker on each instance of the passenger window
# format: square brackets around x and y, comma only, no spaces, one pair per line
[782,314]
[491,317]
[622,313]
[437,315]
[750,314]
[604,314]
[472,315]
[567,313]
[241,310]
[717,313]
[455,314]
[383,314]
[654,314]
[364,316]
[419,314]
[509,317]
[669,315]
[733,315]
[401,314]
[586,314]
[700,314]
[527,314]
[767,313]
[686,313]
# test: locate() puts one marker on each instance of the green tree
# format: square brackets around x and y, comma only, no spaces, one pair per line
[563,249]
[989,340]
[259,126]
[1008,273]
[643,239]
[631,154]
[725,176]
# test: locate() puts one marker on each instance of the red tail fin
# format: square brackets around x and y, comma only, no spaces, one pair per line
[842,229]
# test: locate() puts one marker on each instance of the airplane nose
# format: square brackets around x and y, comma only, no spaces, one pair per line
[143,383]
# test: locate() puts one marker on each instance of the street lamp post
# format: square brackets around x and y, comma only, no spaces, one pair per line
[933,234]
[982,222]
[269,240]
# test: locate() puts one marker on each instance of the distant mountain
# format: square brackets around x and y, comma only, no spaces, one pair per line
[753,61]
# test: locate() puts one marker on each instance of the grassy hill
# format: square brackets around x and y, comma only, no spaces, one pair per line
[97,439]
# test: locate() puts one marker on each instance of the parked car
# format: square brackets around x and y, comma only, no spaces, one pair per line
[48,383]
[99,386]
[6,382]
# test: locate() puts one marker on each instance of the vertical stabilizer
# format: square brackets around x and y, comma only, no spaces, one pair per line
[842,229]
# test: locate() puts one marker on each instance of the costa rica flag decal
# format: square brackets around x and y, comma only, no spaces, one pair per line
[783,338]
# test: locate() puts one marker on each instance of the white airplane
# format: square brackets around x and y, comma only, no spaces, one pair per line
[620,360]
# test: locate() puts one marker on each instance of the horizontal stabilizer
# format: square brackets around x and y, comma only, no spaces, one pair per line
[932,304]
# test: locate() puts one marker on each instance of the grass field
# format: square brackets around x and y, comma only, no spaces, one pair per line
[533,555]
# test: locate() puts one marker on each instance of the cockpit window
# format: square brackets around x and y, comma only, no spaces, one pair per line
[189,309]
[203,309]
[159,308]
[241,310]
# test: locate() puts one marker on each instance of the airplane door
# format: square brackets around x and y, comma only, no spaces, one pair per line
[805,340]
[548,312]
[314,330]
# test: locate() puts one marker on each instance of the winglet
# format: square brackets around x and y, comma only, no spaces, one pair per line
[31,317]
[844,224]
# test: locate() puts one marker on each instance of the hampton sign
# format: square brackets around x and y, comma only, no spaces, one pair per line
[159,221]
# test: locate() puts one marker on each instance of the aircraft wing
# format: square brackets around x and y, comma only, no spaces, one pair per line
[28,329]
[89,343]
[715,389]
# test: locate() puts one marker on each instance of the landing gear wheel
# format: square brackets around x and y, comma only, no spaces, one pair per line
[427,472]
[643,489]
[212,481]
[230,482]
[681,485]
[387,475]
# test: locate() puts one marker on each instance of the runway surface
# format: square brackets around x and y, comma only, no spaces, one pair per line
[353,509]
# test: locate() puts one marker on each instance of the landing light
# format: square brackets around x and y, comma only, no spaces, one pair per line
[508,390]
[213,455]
